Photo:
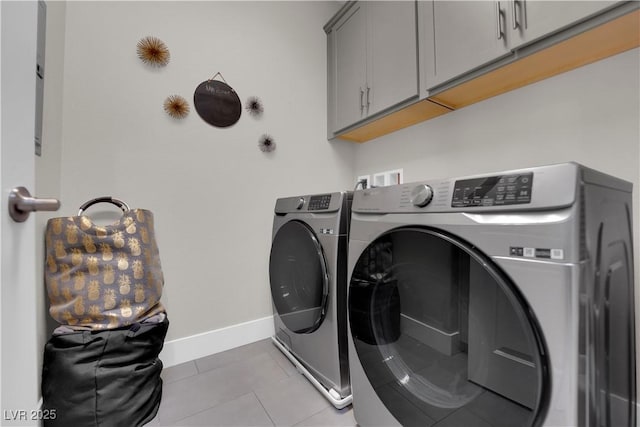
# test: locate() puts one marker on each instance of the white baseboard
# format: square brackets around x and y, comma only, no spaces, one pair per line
[196,346]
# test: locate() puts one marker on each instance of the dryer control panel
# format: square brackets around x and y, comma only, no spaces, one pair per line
[319,202]
[499,190]
[316,203]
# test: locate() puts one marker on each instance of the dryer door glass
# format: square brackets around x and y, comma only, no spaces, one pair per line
[298,276]
[443,336]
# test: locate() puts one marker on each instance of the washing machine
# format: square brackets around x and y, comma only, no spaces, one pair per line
[503,299]
[308,277]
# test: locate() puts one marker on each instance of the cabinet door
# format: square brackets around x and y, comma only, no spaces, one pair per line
[467,34]
[351,66]
[530,20]
[393,54]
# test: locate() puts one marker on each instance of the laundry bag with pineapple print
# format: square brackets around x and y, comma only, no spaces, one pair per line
[103,276]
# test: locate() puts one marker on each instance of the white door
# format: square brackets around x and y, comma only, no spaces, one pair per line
[19,391]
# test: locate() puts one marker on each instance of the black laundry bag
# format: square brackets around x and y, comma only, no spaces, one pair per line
[104,378]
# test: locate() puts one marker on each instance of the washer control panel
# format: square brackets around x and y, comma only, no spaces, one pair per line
[499,190]
[319,203]
[513,190]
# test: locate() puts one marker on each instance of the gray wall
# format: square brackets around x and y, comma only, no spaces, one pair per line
[589,115]
[211,189]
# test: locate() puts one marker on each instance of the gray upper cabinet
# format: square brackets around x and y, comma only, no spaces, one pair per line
[469,34]
[393,54]
[350,60]
[392,64]
[530,20]
[373,60]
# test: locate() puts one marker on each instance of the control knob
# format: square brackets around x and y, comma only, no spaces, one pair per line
[300,203]
[421,195]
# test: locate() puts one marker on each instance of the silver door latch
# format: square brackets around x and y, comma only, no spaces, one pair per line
[21,204]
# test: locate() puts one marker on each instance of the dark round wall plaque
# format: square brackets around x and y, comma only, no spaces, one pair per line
[217,103]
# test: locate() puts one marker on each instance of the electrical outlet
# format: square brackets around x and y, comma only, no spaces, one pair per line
[379,179]
[382,179]
[394,177]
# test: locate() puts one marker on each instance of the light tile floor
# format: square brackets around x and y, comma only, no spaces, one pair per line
[252,385]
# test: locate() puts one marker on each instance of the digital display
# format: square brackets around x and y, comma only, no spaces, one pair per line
[493,191]
[318,203]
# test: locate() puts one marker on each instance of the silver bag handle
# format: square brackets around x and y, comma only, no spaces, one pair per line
[105,199]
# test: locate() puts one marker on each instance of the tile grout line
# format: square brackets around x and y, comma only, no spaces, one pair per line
[226,365]
[310,416]
[263,408]
[177,422]
[278,363]
[272,356]
[182,378]
[223,368]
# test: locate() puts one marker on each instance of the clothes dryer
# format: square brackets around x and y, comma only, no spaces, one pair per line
[308,277]
[503,299]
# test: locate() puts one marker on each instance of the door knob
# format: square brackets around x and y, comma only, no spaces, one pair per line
[21,204]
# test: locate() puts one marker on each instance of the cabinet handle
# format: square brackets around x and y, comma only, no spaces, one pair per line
[499,13]
[368,99]
[514,15]
[361,100]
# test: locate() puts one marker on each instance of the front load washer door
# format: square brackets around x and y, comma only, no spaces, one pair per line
[298,276]
[444,337]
